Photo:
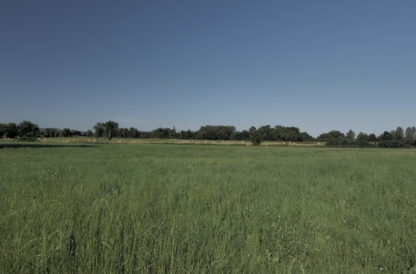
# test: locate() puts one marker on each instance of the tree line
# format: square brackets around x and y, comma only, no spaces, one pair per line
[27,130]
[395,138]
[110,129]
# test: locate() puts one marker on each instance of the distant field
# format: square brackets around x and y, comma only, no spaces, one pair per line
[174,141]
[153,208]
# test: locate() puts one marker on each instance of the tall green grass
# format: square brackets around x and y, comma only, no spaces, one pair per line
[179,209]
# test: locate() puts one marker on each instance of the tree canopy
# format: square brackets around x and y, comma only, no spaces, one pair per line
[399,137]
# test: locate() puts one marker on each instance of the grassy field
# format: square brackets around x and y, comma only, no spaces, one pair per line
[154,208]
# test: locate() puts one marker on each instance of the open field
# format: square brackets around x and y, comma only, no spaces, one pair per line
[112,208]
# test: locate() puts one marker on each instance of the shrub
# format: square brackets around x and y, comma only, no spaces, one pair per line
[255,137]
[393,144]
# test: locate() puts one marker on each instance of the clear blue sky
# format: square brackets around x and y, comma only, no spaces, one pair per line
[317,65]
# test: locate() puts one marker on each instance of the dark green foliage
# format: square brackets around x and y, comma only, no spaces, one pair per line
[277,133]
[66,132]
[8,130]
[108,129]
[362,139]
[398,134]
[337,142]
[334,134]
[386,136]
[394,144]
[372,137]
[163,133]
[241,135]
[27,129]
[255,136]
[124,133]
[133,133]
[337,139]
[265,133]
[410,134]
[333,138]
[287,134]
[305,137]
[88,133]
[216,132]
[50,132]
[99,129]
[76,132]
[350,136]
[186,135]
[393,139]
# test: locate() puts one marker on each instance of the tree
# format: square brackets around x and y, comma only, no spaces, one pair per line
[410,134]
[66,132]
[265,132]
[305,137]
[163,133]
[350,135]
[124,132]
[334,134]
[288,134]
[110,129]
[8,130]
[209,132]
[255,137]
[27,129]
[50,132]
[75,132]
[372,137]
[89,133]
[187,135]
[99,129]
[386,136]
[398,134]
[3,128]
[134,133]
[362,139]
[241,135]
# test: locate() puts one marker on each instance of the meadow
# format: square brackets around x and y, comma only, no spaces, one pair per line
[171,208]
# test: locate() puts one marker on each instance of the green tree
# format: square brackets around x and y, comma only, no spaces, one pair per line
[8,130]
[99,129]
[386,136]
[110,129]
[334,134]
[255,137]
[362,139]
[305,137]
[350,136]
[66,132]
[410,134]
[265,132]
[210,132]
[398,133]
[50,132]
[372,137]
[27,129]
[3,128]
[11,130]
[88,133]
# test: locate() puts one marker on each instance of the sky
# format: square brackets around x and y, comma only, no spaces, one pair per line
[317,65]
